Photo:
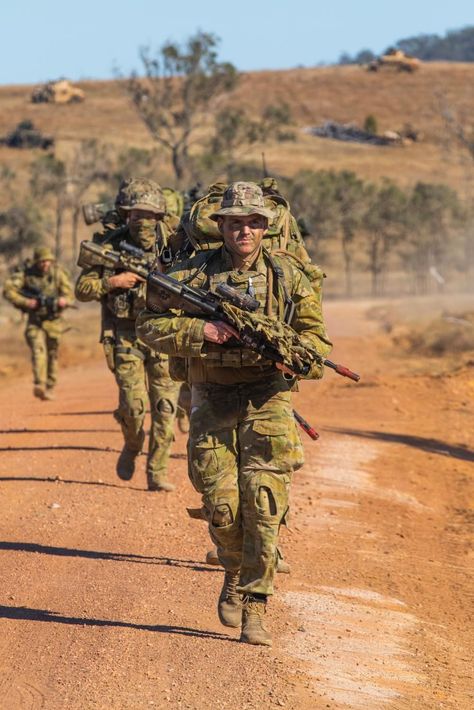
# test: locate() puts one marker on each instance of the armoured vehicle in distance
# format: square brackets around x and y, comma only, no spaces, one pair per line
[57,92]
[395,59]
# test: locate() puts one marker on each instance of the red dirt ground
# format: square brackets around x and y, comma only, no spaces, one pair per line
[105,599]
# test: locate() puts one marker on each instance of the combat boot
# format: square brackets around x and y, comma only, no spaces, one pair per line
[126,463]
[39,391]
[212,558]
[162,485]
[253,630]
[282,567]
[49,395]
[229,606]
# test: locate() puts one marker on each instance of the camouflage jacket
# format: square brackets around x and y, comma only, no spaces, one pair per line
[93,283]
[182,334]
[27,281]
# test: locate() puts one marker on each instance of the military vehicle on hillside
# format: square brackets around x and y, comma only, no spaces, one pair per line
[395,59]
[57,92]
[25,135]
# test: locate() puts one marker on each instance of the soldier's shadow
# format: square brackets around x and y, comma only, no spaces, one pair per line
[24,613]
[103,555]
[61,447]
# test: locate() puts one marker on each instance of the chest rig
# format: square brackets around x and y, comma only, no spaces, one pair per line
[270,286]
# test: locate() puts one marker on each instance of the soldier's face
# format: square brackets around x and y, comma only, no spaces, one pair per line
[44,265]
[243,235]
[138,215]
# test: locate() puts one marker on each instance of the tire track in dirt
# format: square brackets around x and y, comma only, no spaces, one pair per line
[353,639]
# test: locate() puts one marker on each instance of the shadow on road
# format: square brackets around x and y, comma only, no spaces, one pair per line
[69,447]
[59,431]
[23,613]
[99,555]
[54,479]
[78,414]
[432,446]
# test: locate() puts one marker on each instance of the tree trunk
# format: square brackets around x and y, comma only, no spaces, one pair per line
[75,225]
[347,266]
[178,163]
[59,227]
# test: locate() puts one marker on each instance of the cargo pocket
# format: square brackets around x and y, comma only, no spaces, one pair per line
[277,444]
[203,454]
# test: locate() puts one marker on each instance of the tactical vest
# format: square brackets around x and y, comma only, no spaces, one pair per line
[44,284]
[270,289]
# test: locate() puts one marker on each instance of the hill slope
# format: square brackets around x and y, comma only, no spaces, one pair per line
[340,93]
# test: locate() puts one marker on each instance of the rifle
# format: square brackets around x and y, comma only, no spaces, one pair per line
[225,303]
[46,303]
[271,339]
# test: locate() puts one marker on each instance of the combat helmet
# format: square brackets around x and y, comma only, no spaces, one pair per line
[140,194]
[43,254]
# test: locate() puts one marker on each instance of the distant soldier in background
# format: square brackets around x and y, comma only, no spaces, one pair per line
[41,288]
[141,374]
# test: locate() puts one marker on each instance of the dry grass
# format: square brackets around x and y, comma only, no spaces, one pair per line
[340,93]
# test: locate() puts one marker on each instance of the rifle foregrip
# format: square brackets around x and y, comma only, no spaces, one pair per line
[342,370]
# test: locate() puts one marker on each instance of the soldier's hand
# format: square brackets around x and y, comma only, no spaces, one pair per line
[219,332]
[127,279]
[32,304]
[62,303]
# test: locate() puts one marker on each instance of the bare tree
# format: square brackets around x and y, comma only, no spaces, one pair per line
[179,93]
[384,226]
[67,181]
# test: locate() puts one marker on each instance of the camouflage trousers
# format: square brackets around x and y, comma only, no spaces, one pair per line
[242,450]
[142,377]
[43,340]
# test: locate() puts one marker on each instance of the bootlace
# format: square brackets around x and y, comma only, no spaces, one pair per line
[231,581]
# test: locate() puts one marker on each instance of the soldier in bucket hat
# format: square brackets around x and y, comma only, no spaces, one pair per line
[142,376]
[243,445]
[41,288]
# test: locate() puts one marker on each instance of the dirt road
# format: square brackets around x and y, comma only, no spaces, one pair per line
[105,599]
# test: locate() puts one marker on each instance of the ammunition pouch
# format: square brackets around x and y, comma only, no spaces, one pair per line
[232,357]
[178,368]
[127,304]
[108,345]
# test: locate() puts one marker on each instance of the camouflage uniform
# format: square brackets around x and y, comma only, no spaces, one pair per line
[243,445]
[45,325]
[141,375]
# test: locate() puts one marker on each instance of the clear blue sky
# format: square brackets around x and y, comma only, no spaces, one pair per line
[45,39]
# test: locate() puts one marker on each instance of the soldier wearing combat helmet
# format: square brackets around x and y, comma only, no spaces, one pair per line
[141,375]
[42,289]
[243,445]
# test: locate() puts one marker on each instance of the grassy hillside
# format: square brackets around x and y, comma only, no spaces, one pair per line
[340,93]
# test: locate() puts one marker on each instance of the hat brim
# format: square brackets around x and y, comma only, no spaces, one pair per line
[144,207]
[45,257]
[242,211]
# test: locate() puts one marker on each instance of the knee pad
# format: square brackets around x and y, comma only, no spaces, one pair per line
[222,516]
[164,406]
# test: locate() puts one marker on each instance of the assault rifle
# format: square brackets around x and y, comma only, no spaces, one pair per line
[270,338]
[46,303]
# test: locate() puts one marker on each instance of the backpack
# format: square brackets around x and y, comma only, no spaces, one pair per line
[283,237]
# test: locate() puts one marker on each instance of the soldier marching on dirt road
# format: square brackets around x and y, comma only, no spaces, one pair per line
[243,446]
[141,374]
[42,289]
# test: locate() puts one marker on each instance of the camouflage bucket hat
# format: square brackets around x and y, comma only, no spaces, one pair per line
[43,254]
[140,194]
[242,199]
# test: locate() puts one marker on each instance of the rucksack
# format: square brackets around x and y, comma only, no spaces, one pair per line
[283,236]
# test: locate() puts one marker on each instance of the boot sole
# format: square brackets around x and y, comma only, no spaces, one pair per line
[231,625]
[268,643]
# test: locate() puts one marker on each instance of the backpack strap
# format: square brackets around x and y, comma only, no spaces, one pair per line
[277,285]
